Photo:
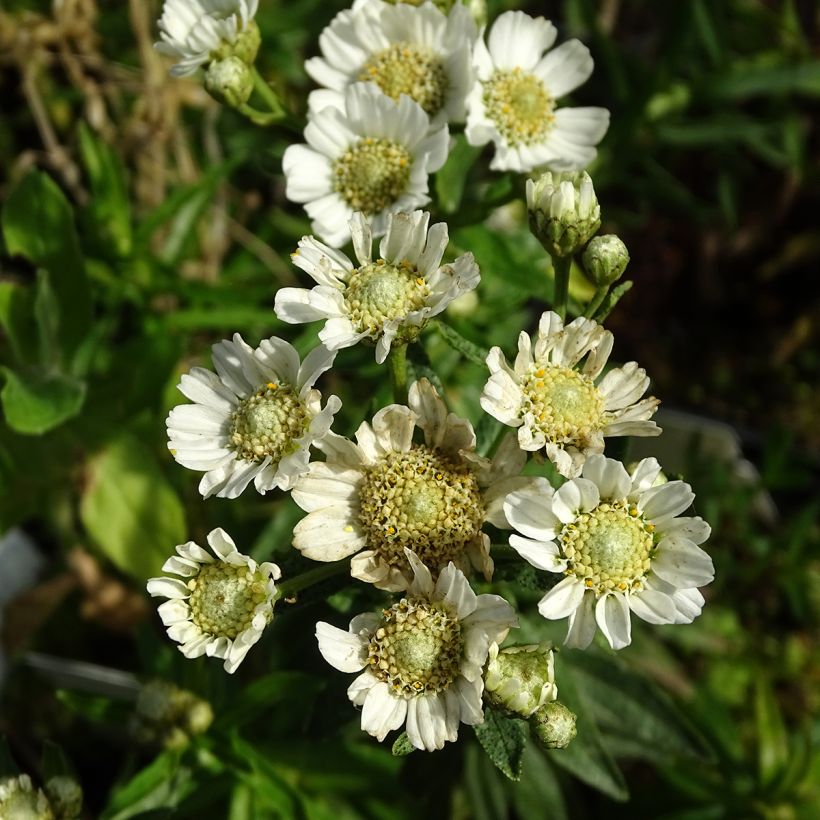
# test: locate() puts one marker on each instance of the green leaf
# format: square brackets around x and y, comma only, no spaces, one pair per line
[47,314]
[38,224]
[772,739]
[612,298]
[402,746]
[130,509]
[18,322]
[504,740]
[34,404]
[468,349]
[485,788]
[159,785]
[451,178]
[538,794]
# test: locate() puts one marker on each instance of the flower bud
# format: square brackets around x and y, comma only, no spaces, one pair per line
[170,716]
[247,42]
[229,81]
[564,211]
[19,798]
[520,679]
[605,260]
[553,726]
[66,797]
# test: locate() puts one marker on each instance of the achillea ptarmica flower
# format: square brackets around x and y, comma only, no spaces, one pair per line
[605,259]
[403,49]
[376,498]
[520,679]
[385,301]
[198,31]
[223,604]
[564,407]
[19,798]
[621,545]
[513,103]
[254,419]
[563,211]
[422,657]
[374,156]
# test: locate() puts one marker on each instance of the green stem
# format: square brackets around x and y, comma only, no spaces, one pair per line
[311,577]
[397,362]
[595,302]
[561,265]
[256,116]
[270,97]
[499,437]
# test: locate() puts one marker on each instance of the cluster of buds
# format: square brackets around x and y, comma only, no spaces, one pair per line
[169,716]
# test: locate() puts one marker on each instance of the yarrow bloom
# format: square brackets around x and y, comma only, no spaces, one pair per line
[387,300]
[385,493]
[19,798]
[223,604]
[513,103]
[422,657]
[561,406]
[417,51]
[254,419]
[521,679]
[197,31]
[619,541]
[373,156]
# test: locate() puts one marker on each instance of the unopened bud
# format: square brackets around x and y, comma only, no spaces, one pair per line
[247,42]
[605,259]
[169,715]
[20,799]
[66,797]
[553,726]
[229,81]
[520,679]
[563,210]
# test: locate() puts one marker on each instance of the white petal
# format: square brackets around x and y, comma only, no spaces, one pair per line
[516,39]
[582,625]
[683,564]
[222,544]
[653,606]
[422,579]
[577,496]
[167,588]
[343,651]
[612,615]
[382,711]
[453,589]
[329,534]
[529,511]
[662,503]
[565,68]
[563,599]
[541,554]
[609,476]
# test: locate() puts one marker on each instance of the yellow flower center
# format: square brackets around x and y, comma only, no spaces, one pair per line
[373,174]
[417,648]
[519,105]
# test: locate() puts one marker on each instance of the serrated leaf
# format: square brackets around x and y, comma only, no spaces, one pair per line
[402,746]
[33,404]
[130,509]
[504,739]
[468,349]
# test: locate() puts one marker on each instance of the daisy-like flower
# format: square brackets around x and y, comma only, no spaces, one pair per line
[198,31]
[373,156]
[222,605]
[562,406]
[254,419]
[387,300]
[513,103]
[385,493]
[20,798]
[422,658]
[619,540]
[414,50]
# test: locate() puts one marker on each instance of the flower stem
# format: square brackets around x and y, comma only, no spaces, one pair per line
[561,265]
[397,362]
[595,302]
[270,97]
[256,116]
[311,577]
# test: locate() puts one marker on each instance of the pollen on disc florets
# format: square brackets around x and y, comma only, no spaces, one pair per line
[566,404]
[380,291]
[224,598]
[372,174]
[609,548]
[519,105]
[412,69]
[267,422]
[417,648]
[423,500]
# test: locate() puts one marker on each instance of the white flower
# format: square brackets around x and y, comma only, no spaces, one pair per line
[618,540]
[254,419]
[373,156]
[561,406]
[192,30]
[223,606]
[384,300]
[19,799]
[375,498]
[513,102]
[422,657]
[417,51]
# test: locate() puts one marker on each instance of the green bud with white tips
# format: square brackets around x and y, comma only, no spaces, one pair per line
[553,726]
[229,81]
[520,679]
[605,260]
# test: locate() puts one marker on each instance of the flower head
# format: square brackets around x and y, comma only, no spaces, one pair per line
[618,540]
[403,49]
[223,605]
[422,657]
[254,419]
[19,798]
[605,259]
[521,679]
[514,101]
[385,300]
[561,405]
[374,155]
[375,498]
[197,31]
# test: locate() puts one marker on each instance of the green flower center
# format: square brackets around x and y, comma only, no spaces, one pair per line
[372,174]
[267,422]
[423,500]
[609,548]
[417,648]
[519,105]
[566,405]
[380,292]
[411,69]
[224,598]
